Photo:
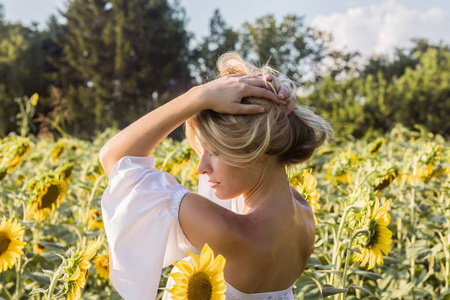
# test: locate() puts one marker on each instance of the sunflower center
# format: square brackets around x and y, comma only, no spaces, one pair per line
[4,242]
[199,287]
[373,230]
[50,197]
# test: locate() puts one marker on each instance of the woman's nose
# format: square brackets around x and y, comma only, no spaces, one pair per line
[204,166]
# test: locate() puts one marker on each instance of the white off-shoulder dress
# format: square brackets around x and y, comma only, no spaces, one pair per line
[140,212]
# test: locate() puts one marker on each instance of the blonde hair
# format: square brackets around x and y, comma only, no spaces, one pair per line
[240,140]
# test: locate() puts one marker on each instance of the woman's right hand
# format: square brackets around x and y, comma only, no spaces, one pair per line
[224,95]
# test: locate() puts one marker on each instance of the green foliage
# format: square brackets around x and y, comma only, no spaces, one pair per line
[112,61]
[222,38]
[367,106]
[22,67]
[289,45]
[417,162]
[115,63]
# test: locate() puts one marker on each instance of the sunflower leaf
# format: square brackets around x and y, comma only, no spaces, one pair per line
[337,272]
[35,291]
[354,250]
[52,245]
[442,296]
[49,273]
[418,250]
[38,277]
[355,286]
[367,274]
[328,290]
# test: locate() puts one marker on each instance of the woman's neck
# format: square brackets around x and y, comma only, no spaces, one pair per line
[272,187]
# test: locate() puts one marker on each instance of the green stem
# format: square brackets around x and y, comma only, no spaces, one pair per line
[412,270]
[347,257]
[57,127]
[365,177]
[337,237]
[447,259]
[412,204]
[53,282]
[91,197]
[168,156]
[22,111]
[7,292]
[18,292]
[413,221]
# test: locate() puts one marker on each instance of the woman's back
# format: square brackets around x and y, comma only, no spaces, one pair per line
[279,242]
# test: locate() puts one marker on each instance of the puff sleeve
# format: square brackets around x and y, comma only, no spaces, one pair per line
[140,212]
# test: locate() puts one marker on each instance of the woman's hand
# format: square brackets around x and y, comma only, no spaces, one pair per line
[284,93]
[224,95]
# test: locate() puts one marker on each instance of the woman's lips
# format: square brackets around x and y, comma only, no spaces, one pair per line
[213,184]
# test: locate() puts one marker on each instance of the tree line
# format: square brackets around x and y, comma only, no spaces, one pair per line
[103,63]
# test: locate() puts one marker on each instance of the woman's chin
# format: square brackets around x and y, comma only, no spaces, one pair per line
[222,196]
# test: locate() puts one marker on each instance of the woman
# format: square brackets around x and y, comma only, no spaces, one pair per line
[246,131]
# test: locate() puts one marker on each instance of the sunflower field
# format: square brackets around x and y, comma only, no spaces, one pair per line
[382,211]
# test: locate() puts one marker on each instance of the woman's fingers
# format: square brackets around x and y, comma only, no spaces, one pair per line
[291,104]
[238,75]
[247,109]
[255,81]
[283,92]
[262,92]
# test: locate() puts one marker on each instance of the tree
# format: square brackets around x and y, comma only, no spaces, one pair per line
[372,105]
[222,39]
[22,64]
[120,58]
[403,58]
[289,46]
[423,93]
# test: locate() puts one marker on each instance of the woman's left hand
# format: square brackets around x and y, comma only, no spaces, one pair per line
[284,93]
[224,95]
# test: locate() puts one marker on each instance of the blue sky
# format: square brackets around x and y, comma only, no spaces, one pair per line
[368,26]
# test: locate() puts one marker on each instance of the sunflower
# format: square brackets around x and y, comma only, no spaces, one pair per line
[429,165]
[34,99]
[65,172]
[193,175]
[46,195]
[95,219]
[12,150]
[379,239]
[77,269]
[376,145]
[344,178]
[10,243]
[177,164]
[339,167]
[384,178]
[94,171]
[101,264]
[306,184]
[39,248]
[202,280]
[57,150]
[3,172]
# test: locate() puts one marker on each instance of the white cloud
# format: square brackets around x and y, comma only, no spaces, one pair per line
[379,28]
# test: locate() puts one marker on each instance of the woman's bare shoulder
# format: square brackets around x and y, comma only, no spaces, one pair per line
[204,221]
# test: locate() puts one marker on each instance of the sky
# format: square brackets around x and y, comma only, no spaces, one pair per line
[368,26]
